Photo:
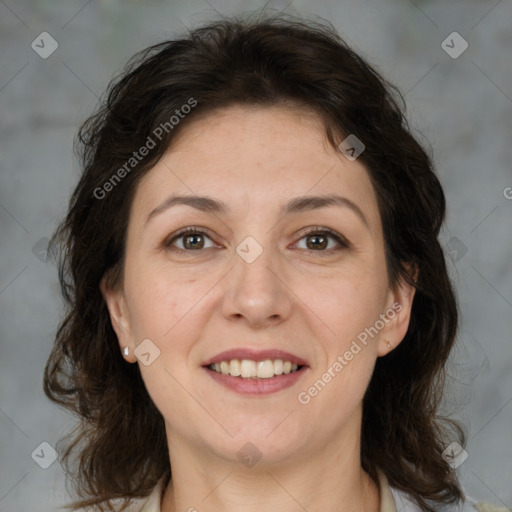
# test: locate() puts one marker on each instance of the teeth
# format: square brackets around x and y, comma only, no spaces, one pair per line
[265,369]
[247,369]
[224,368]
[234,368]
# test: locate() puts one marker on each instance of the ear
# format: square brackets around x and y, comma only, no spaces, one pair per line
[119,318]
[398,314]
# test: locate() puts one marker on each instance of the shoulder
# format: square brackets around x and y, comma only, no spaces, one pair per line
[150,503]
[393,499]
[405,504]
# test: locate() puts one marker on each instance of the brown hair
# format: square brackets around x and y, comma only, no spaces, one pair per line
[119,447]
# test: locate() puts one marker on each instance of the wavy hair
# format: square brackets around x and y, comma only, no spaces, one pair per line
[118,448]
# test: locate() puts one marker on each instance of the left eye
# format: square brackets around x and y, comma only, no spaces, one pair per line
[319,241]
[191,240]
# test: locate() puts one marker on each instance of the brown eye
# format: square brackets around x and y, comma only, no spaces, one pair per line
[318,240]
[193,241]
[190,239]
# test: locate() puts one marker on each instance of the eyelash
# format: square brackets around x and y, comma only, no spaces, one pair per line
[315,230]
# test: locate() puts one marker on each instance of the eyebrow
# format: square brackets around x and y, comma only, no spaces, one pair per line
[294,206]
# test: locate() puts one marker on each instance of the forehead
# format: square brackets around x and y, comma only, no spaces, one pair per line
[259,156]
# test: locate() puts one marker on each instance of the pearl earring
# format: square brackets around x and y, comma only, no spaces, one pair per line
[388,343]
[126,351]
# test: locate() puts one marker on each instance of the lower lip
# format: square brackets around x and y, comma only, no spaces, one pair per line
[257,386]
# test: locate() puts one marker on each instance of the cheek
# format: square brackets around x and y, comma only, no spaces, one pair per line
[346,304]
[161,298]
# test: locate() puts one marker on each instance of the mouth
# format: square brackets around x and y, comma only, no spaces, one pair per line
[249,369]
[256,373]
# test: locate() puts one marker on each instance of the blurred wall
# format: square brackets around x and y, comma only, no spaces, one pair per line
[459,98]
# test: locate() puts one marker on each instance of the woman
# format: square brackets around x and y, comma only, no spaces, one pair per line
[259,311]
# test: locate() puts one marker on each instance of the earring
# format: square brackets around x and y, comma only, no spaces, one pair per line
[126,351]
[388,344]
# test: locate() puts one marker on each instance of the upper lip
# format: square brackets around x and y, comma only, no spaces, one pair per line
[255,355]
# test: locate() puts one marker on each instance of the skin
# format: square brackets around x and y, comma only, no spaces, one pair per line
[312,303]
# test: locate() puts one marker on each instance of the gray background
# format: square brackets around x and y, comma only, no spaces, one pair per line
[463,106]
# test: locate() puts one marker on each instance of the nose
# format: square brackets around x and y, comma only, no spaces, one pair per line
[256,293]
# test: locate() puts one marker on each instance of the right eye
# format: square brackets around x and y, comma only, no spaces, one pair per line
[192,239]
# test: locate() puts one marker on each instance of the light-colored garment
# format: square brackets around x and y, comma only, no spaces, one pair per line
[395,500]
[391,500]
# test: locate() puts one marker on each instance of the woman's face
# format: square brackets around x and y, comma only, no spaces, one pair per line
[257,274]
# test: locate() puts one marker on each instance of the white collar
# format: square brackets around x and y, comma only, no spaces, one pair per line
[391,499]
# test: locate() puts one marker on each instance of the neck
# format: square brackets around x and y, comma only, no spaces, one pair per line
[239,492]
[325,480]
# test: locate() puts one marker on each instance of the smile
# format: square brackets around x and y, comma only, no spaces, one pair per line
[249,369]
